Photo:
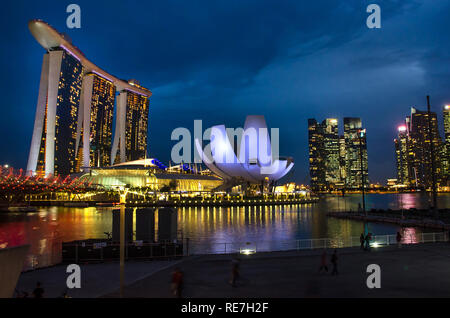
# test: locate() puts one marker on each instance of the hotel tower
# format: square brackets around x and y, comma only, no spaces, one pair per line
[73,127]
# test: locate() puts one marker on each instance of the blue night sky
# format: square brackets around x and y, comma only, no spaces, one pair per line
[220,61]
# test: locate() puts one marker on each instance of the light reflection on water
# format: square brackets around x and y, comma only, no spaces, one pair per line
[271,227]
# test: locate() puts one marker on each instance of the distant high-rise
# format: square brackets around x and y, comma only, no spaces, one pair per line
[446,152]
[74,114]
[402,156]
[316,155]
[342,154]
[326,155]
[419,138]
[355,148]
[331,148]
[413,151]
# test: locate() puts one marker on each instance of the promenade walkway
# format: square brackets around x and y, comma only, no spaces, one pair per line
[420,270]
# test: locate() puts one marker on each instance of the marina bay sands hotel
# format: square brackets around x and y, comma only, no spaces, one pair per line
[77,104]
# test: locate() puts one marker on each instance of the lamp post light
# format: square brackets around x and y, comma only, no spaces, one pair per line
[361,132]
[433,174]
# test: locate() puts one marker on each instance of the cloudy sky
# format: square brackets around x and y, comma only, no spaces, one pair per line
[220,61]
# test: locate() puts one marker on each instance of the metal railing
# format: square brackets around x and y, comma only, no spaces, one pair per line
[198,248]
[100,252]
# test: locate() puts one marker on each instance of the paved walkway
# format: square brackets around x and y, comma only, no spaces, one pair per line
[96,279]
[412,271]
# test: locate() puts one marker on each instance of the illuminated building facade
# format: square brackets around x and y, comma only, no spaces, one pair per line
[326,155]
[150,174]
[331,147]
[342,153]
[446,151]
[355,148]
[98,109]
[246,163]
[402,156]
[419,149]
[316,155]
[130,143]
[74,114]
[54,136]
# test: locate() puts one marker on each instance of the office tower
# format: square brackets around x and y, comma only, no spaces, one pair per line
[355,148]
[342,154]
[324,154]
[73,122]
[446,147]
[402,156]
[316,155]
[419,139]
[331,151]
[130,143]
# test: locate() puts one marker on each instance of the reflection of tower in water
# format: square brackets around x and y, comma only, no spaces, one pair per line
[167,224]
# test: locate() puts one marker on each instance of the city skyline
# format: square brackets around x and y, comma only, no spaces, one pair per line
[183,88]
[335,160]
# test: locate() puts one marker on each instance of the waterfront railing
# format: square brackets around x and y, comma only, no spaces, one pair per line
[198,248]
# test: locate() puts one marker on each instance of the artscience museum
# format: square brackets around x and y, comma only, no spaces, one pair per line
[245,156]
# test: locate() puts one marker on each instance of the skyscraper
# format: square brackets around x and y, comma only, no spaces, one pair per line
[419,139]
[355,148]
[98,105]
[74,114]
[446,151]
[324,154]
[331,148]
[402,156]
[54,137]
[132,119]
[316,155]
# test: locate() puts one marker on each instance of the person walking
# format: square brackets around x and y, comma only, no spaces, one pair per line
[334,260]
[323,262]
[177,282]
[38,292]
[367,239]
[399,240]
[234,272]
[361,240]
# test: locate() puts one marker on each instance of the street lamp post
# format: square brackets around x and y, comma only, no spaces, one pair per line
[360,133]
[433,175]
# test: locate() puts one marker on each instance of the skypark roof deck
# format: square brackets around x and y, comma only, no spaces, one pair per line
[49,38]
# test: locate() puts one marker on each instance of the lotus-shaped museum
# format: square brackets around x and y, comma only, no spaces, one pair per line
[252,158]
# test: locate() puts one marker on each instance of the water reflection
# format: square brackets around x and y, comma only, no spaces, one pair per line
[208,228]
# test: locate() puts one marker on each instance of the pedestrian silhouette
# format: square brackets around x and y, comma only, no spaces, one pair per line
[323,262]
[234,272]
[177,282]
[399,240]
[367,239]
[361,240]
[38,292]
[334,260]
